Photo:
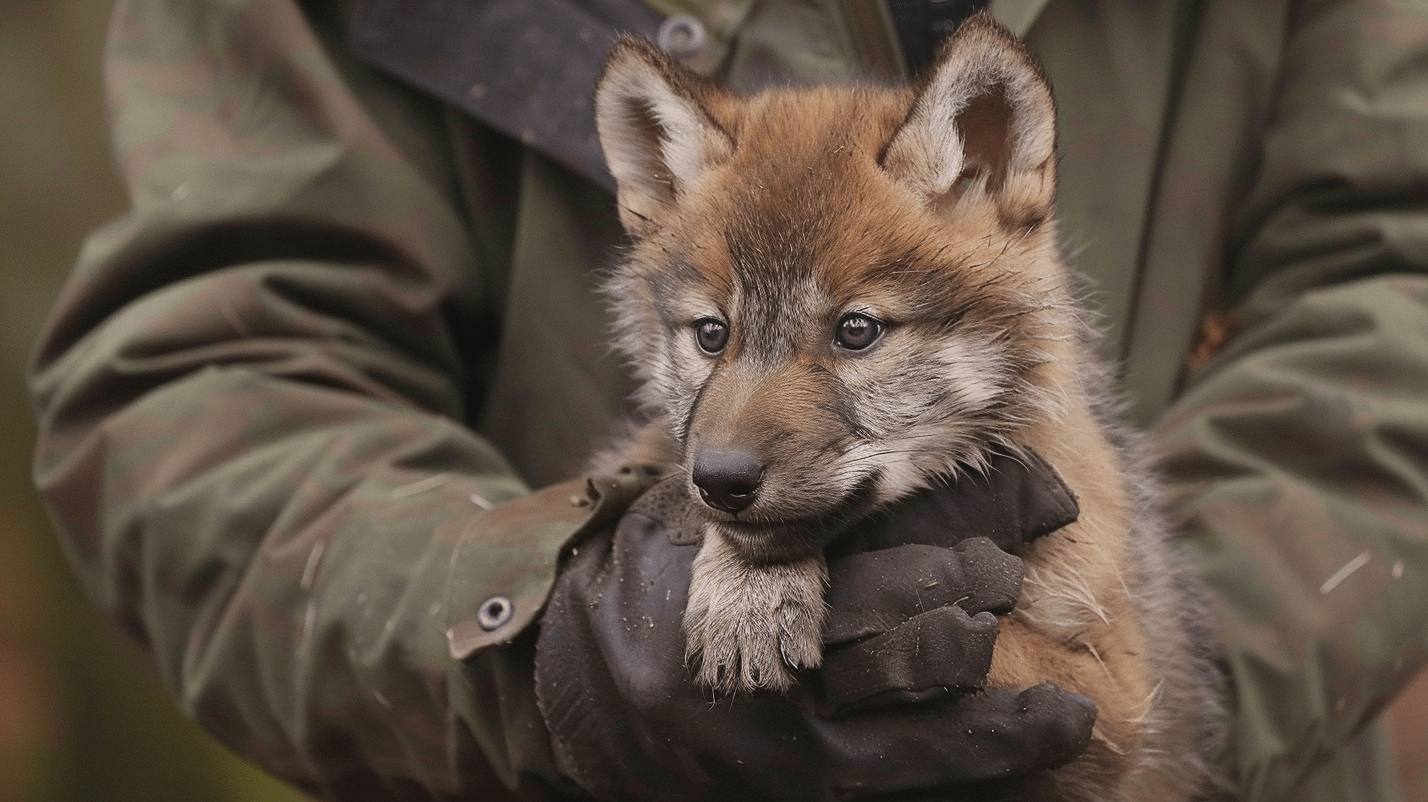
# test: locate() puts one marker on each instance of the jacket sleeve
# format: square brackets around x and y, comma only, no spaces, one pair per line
[1298,457]
[249,397]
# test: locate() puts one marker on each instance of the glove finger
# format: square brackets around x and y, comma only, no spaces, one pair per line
[874,592]
[968,739]
[942,648]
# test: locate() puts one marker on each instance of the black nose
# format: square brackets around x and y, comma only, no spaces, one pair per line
[728,479]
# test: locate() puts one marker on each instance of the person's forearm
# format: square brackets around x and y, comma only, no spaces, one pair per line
[250,404]
[1298,454]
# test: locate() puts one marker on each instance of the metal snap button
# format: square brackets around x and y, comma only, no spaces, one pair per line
[495,613]
[681,36]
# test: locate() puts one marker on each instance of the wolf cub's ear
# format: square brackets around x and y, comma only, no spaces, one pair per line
[984,121]
[655,130]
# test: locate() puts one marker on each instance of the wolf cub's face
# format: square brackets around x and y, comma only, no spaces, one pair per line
[835,294]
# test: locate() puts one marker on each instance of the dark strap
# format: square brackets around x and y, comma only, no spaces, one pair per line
[921,26]
[525,67]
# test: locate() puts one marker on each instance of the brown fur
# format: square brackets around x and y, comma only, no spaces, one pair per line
[779,213]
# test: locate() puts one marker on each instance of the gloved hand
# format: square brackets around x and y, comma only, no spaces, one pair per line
[895,709]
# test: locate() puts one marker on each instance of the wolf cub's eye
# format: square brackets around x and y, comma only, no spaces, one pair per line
[856,332]
[711,335]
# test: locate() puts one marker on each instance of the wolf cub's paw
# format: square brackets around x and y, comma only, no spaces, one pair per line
[749,627]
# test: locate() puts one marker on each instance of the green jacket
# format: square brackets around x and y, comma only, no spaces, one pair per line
[292,403]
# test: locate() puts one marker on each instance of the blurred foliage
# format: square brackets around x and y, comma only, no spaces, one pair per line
[82,713]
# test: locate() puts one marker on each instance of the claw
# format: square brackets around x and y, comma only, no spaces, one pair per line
[788,659]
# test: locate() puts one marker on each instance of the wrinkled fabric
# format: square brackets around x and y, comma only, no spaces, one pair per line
[343,318]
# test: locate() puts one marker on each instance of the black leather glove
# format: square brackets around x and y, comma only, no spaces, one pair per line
[896,708]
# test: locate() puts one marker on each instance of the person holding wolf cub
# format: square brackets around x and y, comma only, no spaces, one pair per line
[292,404]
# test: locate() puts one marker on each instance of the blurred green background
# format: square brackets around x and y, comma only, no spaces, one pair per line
[82,714]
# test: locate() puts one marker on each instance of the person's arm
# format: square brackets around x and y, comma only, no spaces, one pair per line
[1299,456]
[250,395]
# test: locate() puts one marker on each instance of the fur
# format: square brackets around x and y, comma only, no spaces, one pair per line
[926,212]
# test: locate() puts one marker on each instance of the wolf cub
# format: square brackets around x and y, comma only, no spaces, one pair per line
[836,295]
